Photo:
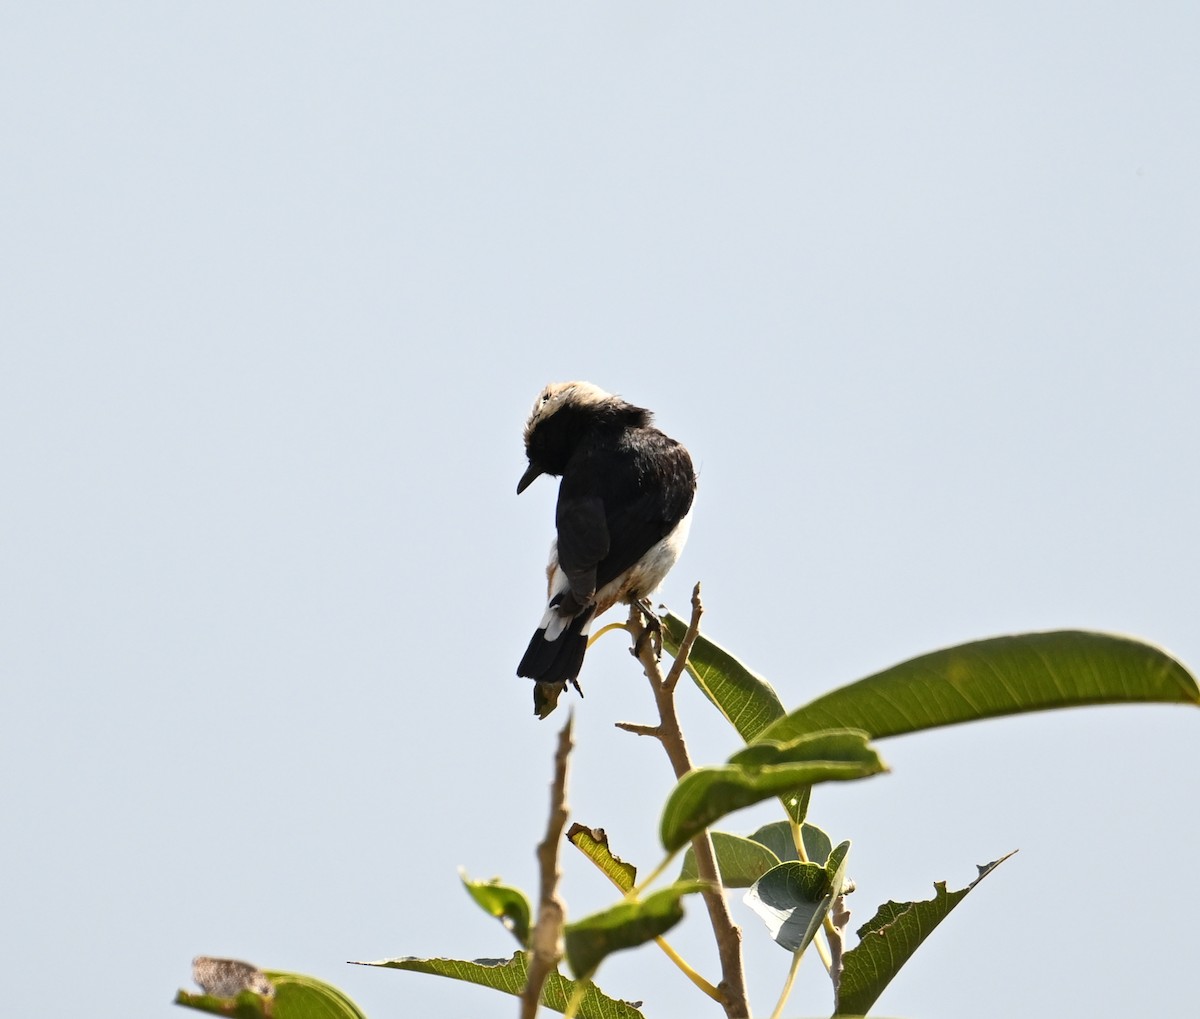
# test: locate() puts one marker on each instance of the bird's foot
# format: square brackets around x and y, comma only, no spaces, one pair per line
[651,629]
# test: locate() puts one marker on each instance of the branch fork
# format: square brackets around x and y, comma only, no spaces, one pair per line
[668,733]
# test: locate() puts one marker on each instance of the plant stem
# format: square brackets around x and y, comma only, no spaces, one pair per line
[728,934]
[787,985]
[605,629]
[576,999]
[546,939]
[818,941]
[654,875]
[688,972]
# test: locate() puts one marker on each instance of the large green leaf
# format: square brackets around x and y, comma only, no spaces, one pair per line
[508,905]
[745,699]
[888,940]
[1000,676]
[793,898]
[760,772]
[510,975]
[296,997]
[625,925]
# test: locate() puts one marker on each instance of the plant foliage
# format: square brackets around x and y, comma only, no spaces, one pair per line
[795,876]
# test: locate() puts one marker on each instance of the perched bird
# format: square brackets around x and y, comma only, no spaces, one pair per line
[624,507]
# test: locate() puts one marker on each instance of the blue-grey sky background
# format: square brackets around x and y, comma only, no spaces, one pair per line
[915,282]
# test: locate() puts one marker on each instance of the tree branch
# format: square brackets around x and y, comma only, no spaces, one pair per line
[728,934]
[547,934]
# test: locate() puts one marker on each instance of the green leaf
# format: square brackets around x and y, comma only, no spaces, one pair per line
[508,905]
[794,898]
[745,699]
[777,837]
[1000,676]
[833,744]
[740,861]
[593,843]
[792,902]
[510,975]
[888,940]
[743,860]
[796,804]
[625,925]
[296,997]
[760,772]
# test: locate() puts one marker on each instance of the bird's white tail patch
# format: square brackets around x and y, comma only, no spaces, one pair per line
[553,622]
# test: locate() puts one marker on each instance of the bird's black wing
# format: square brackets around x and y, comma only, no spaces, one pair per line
[642,485]
[636,527]
[583,539]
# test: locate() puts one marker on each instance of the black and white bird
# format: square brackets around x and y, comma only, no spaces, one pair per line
[624,507]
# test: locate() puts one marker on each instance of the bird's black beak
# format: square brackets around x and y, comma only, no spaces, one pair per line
[531,472]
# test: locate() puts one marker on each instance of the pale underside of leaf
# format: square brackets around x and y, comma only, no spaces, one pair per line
[794,898]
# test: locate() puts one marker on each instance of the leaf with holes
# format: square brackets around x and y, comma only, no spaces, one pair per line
[888,940]
[593,843]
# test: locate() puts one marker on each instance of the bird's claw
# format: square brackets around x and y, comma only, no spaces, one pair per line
[651,630]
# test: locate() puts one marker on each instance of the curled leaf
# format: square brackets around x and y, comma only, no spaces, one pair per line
[593,843]
[508,905]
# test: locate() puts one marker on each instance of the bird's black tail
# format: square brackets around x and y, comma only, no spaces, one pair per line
[553,662]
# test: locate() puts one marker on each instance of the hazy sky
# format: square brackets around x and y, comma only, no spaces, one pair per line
[915,282]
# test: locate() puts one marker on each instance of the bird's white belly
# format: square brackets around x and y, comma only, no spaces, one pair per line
[639,581]
[643,578]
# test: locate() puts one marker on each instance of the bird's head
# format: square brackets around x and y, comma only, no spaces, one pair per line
[561,414]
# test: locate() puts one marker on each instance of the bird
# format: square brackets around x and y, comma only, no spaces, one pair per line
[623,515]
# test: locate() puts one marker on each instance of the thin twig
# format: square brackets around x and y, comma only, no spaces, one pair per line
[839,917]
[639,730]
[685,647]
[547,934]
[728,934]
